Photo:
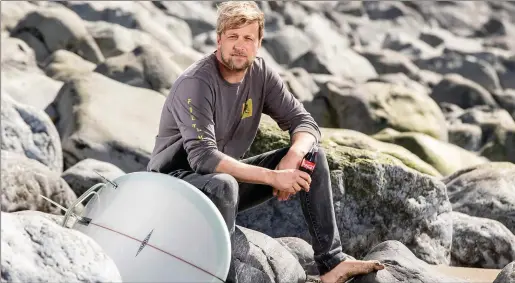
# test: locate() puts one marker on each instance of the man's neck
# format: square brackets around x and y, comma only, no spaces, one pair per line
[229,75]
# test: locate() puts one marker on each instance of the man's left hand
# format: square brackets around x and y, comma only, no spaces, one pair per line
[290,161]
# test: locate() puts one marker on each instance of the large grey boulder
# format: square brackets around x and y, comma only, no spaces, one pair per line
[480,242]
[487,130]
[17,54]
[199,16]
[374,106]
[49,29]
[12,12]
[324,33]
[30,87]
[387,10]
[24,180]
[471,68]
[300,84]
[408,45]
[143,16]
[449,42]
[114,39]
[507,274]
[389,62]
[22,78]
[259,258]
[455,15]
[487,117]
[287,44]
[498,32]
[146,66]
[62,65]
[376,197]
[36,249]
[456,89]
[500,60]
[302,251]
[30,132]
[423,87]
[92,115]
[323,60]
[485,190]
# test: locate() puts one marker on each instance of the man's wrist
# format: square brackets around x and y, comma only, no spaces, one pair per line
[269,177]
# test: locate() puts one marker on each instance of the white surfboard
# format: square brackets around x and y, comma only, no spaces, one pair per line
[158,228]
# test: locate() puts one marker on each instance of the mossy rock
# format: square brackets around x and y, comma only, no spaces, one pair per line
[359,140]
[342,147]
[373,106]
[445,157]
[269,137]
[376,198]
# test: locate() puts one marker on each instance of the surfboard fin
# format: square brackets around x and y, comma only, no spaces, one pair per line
[56,204]
[62,208]
[107,180]
[69,212]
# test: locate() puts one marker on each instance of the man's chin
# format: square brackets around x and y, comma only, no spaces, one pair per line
[241,68]
[238,68]
[233,66]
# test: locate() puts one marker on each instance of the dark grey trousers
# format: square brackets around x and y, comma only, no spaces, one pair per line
[230,197]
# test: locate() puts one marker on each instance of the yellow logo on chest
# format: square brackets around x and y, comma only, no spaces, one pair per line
[246,110]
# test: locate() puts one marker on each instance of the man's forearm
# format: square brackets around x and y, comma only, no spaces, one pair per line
[244,172]
[301,144]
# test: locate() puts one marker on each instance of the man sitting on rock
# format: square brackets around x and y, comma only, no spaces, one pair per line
[210,119]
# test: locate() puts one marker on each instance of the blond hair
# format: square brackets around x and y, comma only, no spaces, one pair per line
[235,14]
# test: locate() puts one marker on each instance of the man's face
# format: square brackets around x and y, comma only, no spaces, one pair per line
[238,47]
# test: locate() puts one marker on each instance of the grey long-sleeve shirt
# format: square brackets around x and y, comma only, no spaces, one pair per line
[202,108]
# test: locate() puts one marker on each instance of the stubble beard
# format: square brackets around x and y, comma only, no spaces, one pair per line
[229,63]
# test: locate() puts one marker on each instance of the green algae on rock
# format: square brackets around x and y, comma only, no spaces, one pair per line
[359,140]
[373,106]
[445,157]
[347,144]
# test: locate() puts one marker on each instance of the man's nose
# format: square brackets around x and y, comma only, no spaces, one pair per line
[239,44]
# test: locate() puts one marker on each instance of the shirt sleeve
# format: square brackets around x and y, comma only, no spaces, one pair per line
[192,107]
[285,109]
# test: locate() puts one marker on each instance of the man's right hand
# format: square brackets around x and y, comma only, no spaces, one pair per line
[290,180]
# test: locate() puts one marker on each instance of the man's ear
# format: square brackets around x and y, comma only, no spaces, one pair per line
[218,39]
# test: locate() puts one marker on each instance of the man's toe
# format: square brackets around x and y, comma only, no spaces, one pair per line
[378,265]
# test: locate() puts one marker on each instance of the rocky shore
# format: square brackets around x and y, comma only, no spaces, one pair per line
[416,100]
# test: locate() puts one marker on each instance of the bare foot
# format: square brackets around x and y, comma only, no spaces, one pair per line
[350,268]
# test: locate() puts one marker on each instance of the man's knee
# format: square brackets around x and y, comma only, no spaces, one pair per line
[225,188]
